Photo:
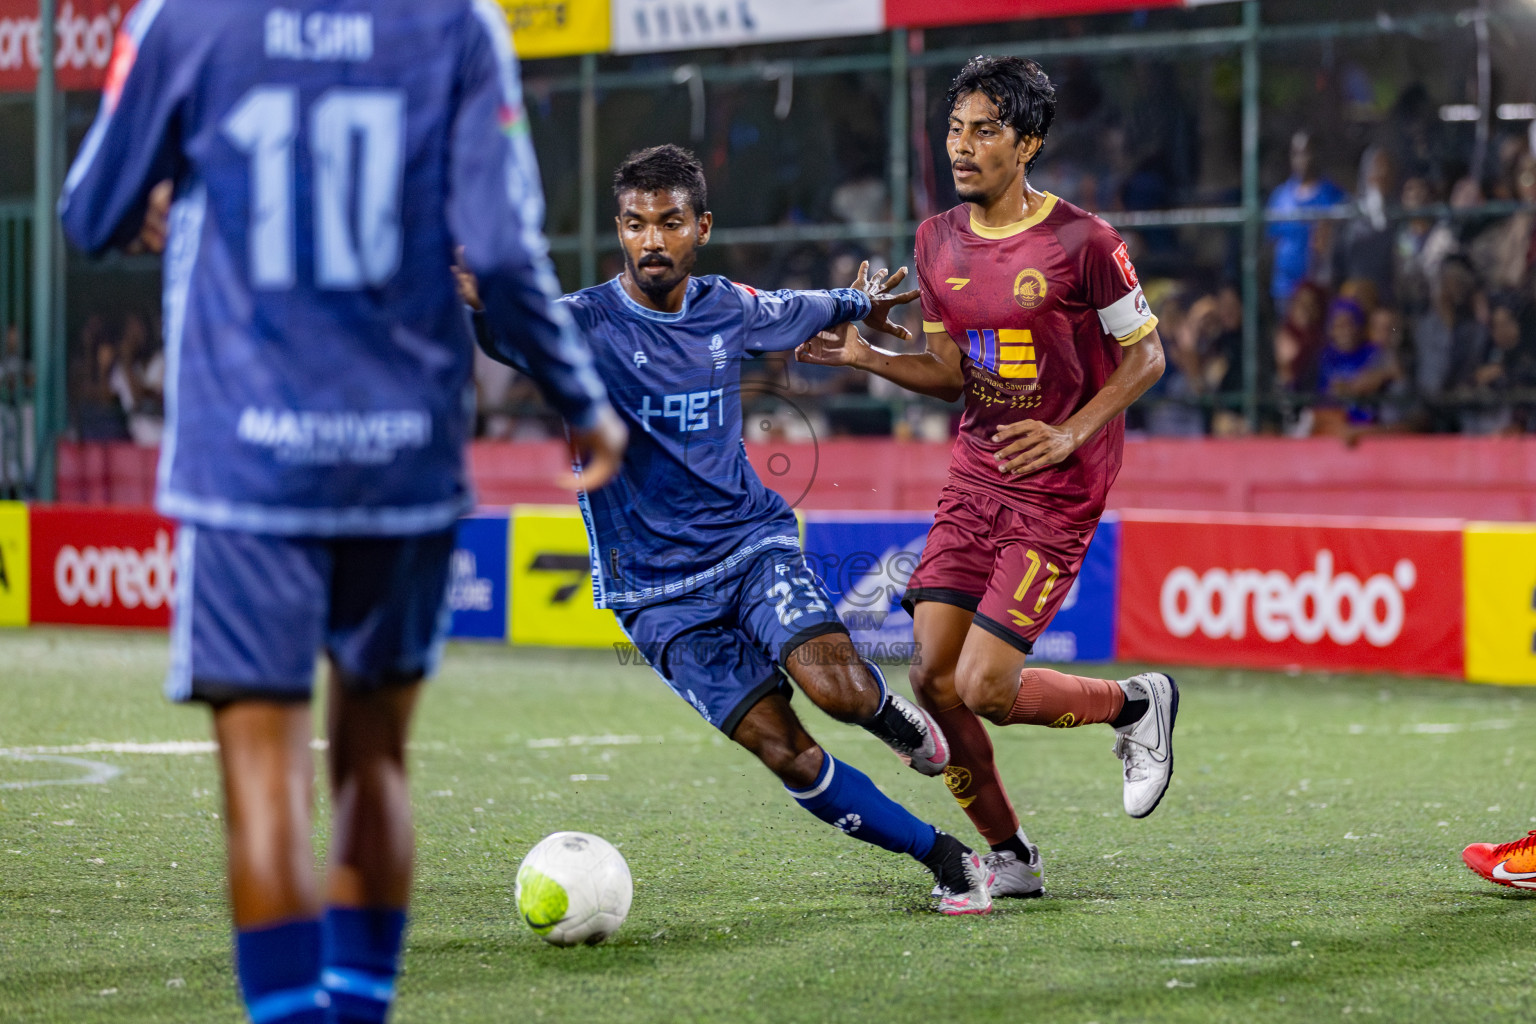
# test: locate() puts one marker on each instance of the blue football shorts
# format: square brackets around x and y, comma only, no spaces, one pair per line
[252,612]
[720,647]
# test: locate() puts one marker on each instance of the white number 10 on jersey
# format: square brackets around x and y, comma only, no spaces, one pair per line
[357,145]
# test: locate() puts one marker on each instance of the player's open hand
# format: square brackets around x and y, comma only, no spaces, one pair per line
[599,449]
[836,346]
[157,220]
[883,299]
[469,287]
[1031,446]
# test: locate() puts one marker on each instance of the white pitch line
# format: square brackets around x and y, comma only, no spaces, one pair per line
[96,773]
[609,740]
[173,748]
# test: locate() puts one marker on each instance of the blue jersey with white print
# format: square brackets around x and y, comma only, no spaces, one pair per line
[687,508]
[327,156]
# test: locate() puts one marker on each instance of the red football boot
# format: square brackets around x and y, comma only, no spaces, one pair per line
[1512,864]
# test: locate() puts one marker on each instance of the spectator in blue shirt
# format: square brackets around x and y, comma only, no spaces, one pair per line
[1346,372]
[1301,247]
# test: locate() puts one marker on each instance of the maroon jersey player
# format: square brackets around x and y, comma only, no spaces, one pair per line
[1033,314]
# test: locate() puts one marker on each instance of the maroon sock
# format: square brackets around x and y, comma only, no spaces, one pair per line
[1055,699]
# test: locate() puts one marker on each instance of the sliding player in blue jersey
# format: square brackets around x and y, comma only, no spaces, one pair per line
[326,158]
[701,562]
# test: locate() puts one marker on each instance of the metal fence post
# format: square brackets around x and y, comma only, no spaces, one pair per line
[1253,214]
[49,401]
[588,170]
[900,177]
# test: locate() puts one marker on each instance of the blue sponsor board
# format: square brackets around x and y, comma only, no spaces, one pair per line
[866,560]
[477,581]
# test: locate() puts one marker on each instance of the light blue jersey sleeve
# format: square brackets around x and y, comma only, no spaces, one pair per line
[781,320]
[496,212]
[132,146]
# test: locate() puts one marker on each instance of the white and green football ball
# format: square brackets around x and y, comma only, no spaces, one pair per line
[574,888]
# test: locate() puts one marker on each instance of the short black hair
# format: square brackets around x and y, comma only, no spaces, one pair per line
[665,168]
[1025,97]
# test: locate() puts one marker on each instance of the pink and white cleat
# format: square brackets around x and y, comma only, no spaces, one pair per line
[908,730]
[915,737]
[964,880]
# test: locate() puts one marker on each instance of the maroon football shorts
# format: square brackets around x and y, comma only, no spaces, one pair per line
[1011,568]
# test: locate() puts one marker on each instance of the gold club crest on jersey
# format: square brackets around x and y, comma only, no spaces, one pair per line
[1029,288]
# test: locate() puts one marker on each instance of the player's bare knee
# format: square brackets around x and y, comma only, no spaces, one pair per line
[931,685]
[986,692]
[847,693]
[833,675]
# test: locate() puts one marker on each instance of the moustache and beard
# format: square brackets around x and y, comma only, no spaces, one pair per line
[968,193]
[656,287]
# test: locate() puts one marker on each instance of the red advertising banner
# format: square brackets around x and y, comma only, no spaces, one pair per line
[86,30]
[99,567]
[927,14]
[1273,592]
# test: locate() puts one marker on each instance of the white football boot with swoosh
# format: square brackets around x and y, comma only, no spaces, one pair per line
[1012,877]
[1146,745]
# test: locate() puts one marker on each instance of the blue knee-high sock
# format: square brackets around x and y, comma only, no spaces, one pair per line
[279,968]
[846,799]
[362,958]
[874,670]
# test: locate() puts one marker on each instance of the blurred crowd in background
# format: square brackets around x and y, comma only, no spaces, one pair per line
[1406,304]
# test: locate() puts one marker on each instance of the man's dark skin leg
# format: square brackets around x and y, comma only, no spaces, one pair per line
[828,668]
[941,632]
[773,732]
[372,835]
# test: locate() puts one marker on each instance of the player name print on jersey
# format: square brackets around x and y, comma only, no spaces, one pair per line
[293,35]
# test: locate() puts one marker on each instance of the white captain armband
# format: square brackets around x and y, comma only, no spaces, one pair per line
[1129,318]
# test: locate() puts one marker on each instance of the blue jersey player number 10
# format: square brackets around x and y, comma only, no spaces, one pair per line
[324,167]
[363,188]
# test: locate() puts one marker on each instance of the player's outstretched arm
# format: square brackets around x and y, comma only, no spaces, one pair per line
[1035,445]
[936,372]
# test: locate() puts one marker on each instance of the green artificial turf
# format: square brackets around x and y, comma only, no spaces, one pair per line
[1304,866]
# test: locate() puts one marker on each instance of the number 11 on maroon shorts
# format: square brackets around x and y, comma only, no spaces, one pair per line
[1012,569]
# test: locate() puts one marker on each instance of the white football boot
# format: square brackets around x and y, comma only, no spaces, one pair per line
[1146,745]
[1012,877]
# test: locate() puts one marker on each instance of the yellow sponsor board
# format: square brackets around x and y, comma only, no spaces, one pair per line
[15,564]
[558,28]
[1500,562]
[552,582]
